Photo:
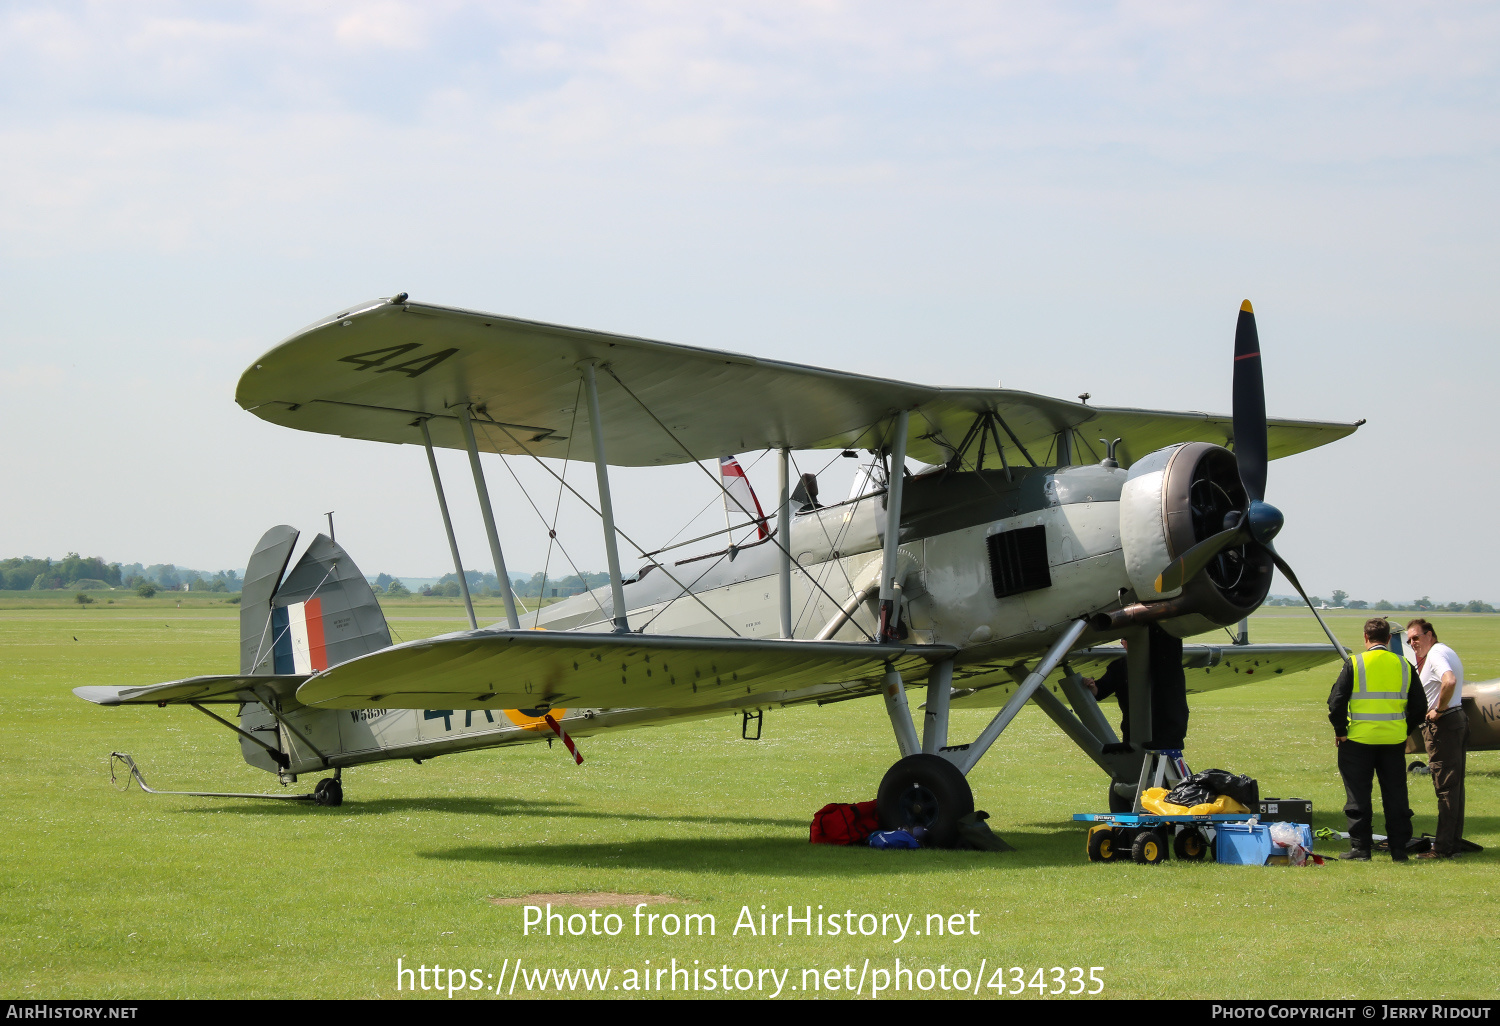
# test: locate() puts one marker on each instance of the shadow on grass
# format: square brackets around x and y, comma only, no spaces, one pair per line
[754,855]
[475,807]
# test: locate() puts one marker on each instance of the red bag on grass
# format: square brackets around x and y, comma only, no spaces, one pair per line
[844,823]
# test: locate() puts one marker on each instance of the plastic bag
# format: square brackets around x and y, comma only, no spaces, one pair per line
[1206,786]
[1290,837]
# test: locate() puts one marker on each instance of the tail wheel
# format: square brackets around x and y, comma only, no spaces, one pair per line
[1190,845]
[329,792]
[926,795]
[1150,848]
[1103,845]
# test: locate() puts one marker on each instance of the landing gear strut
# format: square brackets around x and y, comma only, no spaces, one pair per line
[926,790]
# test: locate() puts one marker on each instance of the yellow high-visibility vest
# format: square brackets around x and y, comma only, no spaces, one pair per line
[1377,706]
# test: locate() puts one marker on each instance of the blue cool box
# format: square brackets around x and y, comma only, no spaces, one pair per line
[1243,844]
[1249,844]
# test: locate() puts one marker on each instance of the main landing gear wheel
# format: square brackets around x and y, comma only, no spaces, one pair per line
[329,792]
[1104,846]
[927,792]
[1150,848]
[1118,803]
[1190,845]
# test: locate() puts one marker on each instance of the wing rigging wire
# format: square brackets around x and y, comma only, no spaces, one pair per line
[556,512]
[704,509]
[552,536]
[486,424]
[784,544]
[707,570]
[834,542]
[552,528]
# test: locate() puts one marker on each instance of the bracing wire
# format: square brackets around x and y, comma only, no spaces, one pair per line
[556,512]
[704,509]
[784,544]
[552,537]
[833,546]
[486,424]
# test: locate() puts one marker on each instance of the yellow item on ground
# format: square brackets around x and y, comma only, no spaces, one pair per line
[1218,807]
[1151,801]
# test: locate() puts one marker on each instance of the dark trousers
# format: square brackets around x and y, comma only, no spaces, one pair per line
[1359,764]
[1446,758]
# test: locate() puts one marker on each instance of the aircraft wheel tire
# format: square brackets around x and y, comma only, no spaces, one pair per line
[1118,803]
[329,792]
[1104,846]
[926,792]
[1150,847]
[1189,846]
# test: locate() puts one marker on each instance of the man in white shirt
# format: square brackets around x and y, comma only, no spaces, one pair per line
[1445,732]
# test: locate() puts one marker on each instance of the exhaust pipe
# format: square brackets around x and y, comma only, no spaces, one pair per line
[1138,613]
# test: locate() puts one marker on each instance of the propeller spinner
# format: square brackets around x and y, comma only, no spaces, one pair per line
[1259,522]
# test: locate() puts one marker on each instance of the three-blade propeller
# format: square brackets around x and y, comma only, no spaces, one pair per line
[1259,522]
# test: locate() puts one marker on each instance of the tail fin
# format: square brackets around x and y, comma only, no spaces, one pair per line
[262,575]
[322,614]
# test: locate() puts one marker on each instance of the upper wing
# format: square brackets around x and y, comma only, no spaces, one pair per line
[541,669]
[1208,667]
[376,371]
[194,689]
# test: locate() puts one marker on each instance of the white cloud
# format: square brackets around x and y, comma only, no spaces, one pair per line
[385,24]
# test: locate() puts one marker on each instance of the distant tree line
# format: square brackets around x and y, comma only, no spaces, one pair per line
[385,584]
[483,585]
[24,572]
[558,587]
[1340,600]
[90,573]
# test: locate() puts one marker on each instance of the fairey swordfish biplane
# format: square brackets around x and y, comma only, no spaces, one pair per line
[989,554]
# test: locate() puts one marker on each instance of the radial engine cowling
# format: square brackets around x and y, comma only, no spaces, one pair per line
[1173,499]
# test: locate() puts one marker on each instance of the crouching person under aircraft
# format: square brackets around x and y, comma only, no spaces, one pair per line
[1169,708]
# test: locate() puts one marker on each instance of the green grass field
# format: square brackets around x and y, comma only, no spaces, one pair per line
[131,895]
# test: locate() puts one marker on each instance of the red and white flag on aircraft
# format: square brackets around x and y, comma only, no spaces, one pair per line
[739,497]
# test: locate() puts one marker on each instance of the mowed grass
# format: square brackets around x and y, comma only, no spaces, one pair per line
[128,895]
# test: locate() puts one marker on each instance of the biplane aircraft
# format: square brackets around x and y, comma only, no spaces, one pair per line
[988,555]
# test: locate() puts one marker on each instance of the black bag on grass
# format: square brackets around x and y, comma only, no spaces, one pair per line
[975,834]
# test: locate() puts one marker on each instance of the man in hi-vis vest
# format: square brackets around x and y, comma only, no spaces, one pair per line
[1375,703]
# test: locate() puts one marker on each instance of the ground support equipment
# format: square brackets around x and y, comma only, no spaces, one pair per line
[1146,838]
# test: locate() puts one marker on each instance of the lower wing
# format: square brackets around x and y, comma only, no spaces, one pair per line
[1208,668]
[544,669]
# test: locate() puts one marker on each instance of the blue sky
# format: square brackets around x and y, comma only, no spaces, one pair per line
[1061,197]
